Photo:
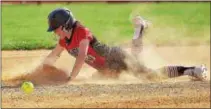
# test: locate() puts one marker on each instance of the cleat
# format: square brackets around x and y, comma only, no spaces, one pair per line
[138,21]
[198,73]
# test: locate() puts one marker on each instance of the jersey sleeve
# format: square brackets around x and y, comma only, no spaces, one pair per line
[84,33]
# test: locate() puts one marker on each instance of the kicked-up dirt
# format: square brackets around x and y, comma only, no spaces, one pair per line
[87,90]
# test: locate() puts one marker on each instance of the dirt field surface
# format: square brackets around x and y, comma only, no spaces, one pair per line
[88,90]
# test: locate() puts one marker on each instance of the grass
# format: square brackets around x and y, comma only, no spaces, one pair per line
[178,23]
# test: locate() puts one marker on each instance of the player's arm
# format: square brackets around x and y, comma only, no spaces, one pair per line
[54,55]
[83,49]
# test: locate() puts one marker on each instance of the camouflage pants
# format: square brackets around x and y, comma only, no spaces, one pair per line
[118,60]
[115,60]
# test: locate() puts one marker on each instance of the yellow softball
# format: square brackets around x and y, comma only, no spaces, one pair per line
[27,87]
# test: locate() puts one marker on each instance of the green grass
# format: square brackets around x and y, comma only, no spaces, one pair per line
[186,23]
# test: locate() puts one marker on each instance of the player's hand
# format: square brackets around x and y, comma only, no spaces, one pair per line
[70,78]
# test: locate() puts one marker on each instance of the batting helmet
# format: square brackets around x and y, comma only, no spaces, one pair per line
[60,17]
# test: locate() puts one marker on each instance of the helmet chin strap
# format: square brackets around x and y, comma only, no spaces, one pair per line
[67,21]
[69,32]
[66,27]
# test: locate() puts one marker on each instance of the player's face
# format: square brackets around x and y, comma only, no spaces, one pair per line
[60,33]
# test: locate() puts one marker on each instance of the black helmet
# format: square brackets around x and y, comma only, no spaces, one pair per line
[60,17]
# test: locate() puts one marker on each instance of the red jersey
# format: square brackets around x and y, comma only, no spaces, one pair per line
[95,57]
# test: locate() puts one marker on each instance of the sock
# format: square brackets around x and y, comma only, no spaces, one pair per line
[137,39]
[138,32]
[175,71]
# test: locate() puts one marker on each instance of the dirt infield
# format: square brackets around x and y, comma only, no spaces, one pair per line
[87,90]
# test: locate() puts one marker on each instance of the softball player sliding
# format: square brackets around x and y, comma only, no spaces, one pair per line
[109,61]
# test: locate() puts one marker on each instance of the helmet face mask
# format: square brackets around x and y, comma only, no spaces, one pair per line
[60,17]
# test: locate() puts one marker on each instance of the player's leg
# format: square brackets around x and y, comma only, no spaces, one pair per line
[198,72]
[115,64]
[139,26]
